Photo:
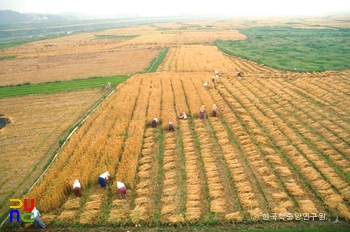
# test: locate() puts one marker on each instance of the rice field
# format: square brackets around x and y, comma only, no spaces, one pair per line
[279,149]
[38,124]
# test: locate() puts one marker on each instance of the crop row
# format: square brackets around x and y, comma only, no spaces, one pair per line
[298,152]
[266,152]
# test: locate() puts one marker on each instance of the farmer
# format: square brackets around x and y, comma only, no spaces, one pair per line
[206,85]
[122,189]
[77,188]
[216,74]
[184,116]
[38,223]
[154,122]
[238,74]
[170,126]
[213,80]
[102,179]
[201,112]
[215,109]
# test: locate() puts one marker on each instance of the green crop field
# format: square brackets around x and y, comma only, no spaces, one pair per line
[293,48]
[59,86]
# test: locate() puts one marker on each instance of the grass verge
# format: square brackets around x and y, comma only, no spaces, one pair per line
[158,60]
[59,86]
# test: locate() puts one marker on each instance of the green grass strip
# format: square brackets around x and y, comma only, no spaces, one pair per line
[21,41]
[8,58]
[59,86]
[159,59]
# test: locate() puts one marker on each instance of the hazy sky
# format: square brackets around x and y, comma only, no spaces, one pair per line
[164,7]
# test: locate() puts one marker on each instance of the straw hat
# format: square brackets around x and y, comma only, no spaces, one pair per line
[214,105]
[203,106]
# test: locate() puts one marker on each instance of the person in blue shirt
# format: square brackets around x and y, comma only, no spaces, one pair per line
[38,223]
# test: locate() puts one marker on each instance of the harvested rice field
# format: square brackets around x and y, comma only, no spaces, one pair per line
[277,153]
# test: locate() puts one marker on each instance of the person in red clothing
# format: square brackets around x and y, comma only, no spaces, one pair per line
[77,188]
[215,109]
[201,112]
[122,189]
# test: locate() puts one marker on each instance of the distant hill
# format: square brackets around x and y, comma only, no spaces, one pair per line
[13,17]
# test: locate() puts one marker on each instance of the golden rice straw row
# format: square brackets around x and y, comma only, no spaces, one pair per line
[120,209]
[62,171]
[174,219]
[145,188]
[329,197]
[321,115]
[194,187]
[181,105]
[234,165]
[335,156]
[128,165]
[50,218]
[234,217]
[72,204]
[93,205]
[309,170]
[168,209]
[287,174]
[116,215]
[192,97]
[216,189]
[168,111]
[269,183]
[154,108]
[170,193]
[67,216]
[198,80]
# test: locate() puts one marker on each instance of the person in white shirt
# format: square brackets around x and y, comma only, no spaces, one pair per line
[206,85]
[77,188]
[122,189]
[38,223]
[102,179]
[184,116]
